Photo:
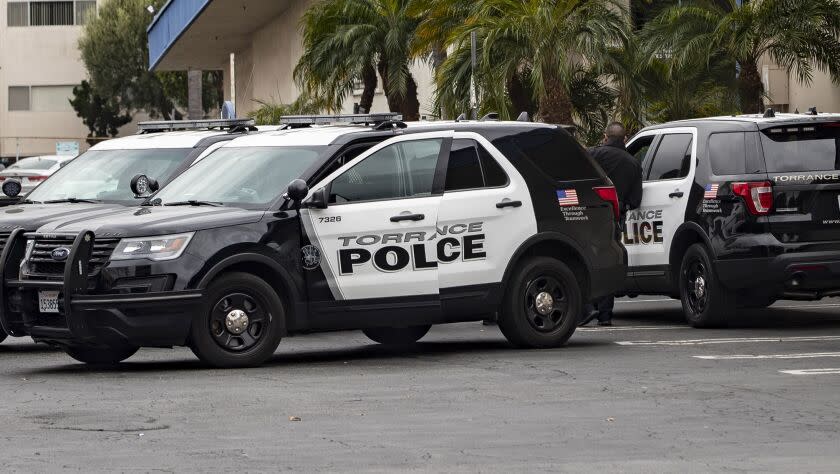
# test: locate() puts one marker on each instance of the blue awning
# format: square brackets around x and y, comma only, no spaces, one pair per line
[169,24]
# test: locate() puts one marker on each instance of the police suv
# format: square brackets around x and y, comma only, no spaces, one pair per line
[98,183]
[737,212]
[405,226]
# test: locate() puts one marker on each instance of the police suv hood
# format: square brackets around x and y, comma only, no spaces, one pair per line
[32,216]
[154,220]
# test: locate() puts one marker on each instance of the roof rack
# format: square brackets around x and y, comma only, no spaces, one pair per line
[172,125]
[298,121]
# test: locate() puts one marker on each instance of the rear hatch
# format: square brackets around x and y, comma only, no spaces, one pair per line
[803,164]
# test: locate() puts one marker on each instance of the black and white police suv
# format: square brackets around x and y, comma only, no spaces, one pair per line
[98,182]
[406,225]
[737,212]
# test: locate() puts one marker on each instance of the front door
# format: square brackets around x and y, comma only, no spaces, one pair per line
[376,239]
[668,173]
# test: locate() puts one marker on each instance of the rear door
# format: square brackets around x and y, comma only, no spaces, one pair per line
[803,163]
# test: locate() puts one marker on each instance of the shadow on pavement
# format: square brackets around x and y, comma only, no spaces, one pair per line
[30,348]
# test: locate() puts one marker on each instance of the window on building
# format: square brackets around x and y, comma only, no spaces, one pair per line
[51,98]
[50,13]
[17,14]
[18,98]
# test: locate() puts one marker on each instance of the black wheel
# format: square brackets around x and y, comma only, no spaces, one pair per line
[542,304]
[397,336]
[101,355]
[705,301]
[241,323]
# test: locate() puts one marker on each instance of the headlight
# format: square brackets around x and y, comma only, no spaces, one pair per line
[163,247]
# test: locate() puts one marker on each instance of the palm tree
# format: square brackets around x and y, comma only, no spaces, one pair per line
[798,35]
[538,46]
[352,40]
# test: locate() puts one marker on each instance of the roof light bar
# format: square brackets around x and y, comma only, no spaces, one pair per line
[171,125]
[341,118]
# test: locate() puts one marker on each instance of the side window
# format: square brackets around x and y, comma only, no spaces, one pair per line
[640,147]
[405,169]
[471,167]
[728,152]
[557,154]
[673,157]
[345,157]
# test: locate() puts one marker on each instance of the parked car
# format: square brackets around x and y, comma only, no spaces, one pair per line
[737,212]
[98,181]
[31,172]
[406,225]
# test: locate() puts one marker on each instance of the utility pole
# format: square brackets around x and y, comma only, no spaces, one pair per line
[473,98]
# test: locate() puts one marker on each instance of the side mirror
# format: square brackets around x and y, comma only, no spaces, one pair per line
[12,188]
[297,190]
[142,186]
[318,200]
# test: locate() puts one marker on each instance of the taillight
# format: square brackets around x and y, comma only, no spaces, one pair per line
[757,194]
[37,178]
[608,193]
[2,178]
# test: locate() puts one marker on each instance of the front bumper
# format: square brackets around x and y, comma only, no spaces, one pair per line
[154,319]
[806,275]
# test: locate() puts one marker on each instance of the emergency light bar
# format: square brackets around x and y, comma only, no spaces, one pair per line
[303,120]
[171,125]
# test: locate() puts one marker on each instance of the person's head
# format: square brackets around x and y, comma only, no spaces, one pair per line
[615,132]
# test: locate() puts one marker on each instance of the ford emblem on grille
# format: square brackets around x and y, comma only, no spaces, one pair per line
[60,253]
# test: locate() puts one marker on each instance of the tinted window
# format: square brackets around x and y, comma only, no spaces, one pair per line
[405,169]
[673,157]
[472,167]
[249,177]
[557,154]
[728,153]
[640,147]
[802,148]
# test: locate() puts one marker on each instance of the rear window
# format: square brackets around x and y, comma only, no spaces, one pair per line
[728,153]
[811,147]
[557,154]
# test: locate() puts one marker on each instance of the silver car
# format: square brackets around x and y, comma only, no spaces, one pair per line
[33,171]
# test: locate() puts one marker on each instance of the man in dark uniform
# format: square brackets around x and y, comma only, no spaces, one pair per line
[626,174]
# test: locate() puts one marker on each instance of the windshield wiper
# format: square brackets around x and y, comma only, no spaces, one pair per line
[73,201]
[193,202]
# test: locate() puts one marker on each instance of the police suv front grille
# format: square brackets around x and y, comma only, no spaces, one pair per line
[42,265]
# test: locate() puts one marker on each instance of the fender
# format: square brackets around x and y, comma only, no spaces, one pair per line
[534,240]
[693,228]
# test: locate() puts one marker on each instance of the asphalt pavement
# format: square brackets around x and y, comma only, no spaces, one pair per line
[647,395]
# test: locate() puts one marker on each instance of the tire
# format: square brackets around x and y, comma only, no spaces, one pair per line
[527,317]
[3,335]
[397,336]
[241,323]
[706,302]
[101,355]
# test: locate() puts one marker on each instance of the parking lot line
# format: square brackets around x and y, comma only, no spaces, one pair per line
[805,355]
[629,328]
[727,340]
[812,372]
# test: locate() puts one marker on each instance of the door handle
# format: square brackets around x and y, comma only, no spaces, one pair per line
[676,194]
[504,204]
[408,217]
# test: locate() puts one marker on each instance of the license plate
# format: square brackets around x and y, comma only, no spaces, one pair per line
[48,301]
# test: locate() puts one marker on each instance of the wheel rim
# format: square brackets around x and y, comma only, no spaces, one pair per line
[238,322]
[696,279]
[546,303]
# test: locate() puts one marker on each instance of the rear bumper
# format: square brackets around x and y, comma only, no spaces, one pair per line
[810,275]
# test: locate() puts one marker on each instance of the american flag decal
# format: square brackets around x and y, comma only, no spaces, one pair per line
[711,191]
[567,197]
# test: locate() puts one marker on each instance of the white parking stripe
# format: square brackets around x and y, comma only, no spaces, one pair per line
[728,340]
[806,355]
[628,328]
[811,372]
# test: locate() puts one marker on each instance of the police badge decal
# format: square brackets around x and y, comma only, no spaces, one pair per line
[311,257]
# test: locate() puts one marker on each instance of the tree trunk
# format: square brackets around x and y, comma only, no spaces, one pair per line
[555,105]
[369,80]
[438,57]
[394,102]
[410,108]
[750,88]
[195,109]
[521,96]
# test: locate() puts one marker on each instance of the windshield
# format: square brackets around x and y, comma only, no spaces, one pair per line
[106,174]
[249,177]
[802,148]
[33,164]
